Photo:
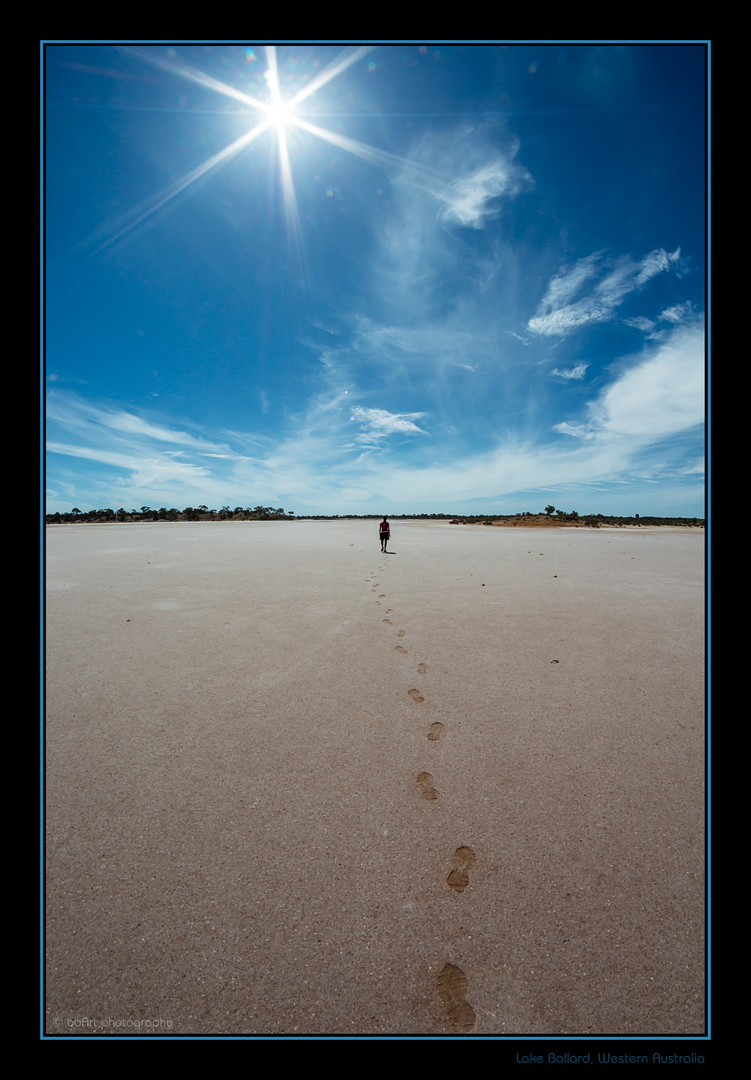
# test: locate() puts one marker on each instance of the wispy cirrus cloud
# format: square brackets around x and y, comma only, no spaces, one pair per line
[145,471]
[559,314]
[566,284]
[576,372]
[108,422]
[466,169]
[470,178]
[469,200]
[524,340]
[149,455]
[640,322]
[312,467]
[677,313]
[377,424]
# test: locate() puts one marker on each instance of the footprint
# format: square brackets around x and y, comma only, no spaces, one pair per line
[436,731]
[400,649]
[415,694]
[451,988]
[426,785]
[389,610]
[464,861]
[422,668]
[401,633]
[382,595]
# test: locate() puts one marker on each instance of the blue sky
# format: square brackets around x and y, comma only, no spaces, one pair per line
[443,278]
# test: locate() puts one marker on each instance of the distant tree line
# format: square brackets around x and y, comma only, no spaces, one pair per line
[270,513]
[190,513]
[592,521]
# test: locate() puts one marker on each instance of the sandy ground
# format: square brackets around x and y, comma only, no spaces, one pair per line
[251,830]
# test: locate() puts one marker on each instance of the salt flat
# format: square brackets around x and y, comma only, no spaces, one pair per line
[298,786]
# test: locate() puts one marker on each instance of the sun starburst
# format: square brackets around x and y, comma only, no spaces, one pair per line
[276,115]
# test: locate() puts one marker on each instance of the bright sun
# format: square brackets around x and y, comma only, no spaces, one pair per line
[275,113]
[280,113]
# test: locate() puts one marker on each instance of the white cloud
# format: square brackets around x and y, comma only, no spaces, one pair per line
[640,323]
[576,372]
[661,395]
[558,313]
[378,423]
[697,469]
[569,318]
[579,431]
[73,412]
[145,470]
[677,313]
[566,284]
[476,172]
[468,200]
[652,264]
[314,468]
[524,341]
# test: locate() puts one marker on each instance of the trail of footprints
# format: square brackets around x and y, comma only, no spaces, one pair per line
[452,984]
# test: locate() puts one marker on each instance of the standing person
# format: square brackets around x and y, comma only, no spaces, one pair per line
[384,531]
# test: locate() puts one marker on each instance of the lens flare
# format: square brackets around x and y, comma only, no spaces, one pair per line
[277,115]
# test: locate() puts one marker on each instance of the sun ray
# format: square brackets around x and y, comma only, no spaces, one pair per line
[279,114]
[369,153]
[336,67]
[160,200]
[272,78]
[177,67]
